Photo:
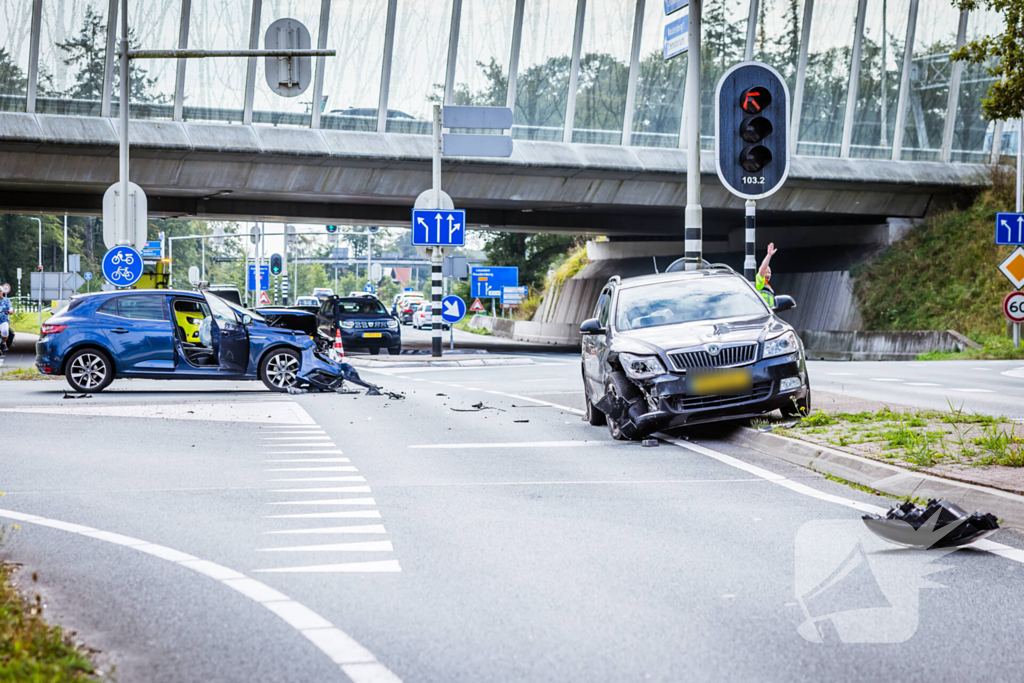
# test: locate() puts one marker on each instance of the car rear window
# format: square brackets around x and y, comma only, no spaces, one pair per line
[684,301]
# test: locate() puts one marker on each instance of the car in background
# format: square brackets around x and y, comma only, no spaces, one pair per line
[407,305]
[322,293]
[139,333]
[307,303]
[229,292]
[364,323]
[683,348]
[423,317]
[360,294]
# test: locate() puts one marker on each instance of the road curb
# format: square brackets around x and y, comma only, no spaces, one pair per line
[467,363]
[896,481]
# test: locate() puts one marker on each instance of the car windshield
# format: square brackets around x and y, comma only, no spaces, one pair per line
[363,305]
[684,301]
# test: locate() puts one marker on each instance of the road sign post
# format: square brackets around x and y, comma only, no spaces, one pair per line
[453,309]
[122,266]
[1013,309]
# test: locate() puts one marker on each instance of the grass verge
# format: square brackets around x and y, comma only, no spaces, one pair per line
[464,326]
[993,348]
[31,649]
[28,322]
[24,374]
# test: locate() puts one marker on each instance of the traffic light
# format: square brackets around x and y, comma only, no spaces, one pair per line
[276,264]
[751,133]
[332,229]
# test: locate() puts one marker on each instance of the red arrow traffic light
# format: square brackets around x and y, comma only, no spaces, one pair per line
[755,100]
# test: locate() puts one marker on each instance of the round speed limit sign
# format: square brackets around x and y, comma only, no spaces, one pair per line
[1013,307]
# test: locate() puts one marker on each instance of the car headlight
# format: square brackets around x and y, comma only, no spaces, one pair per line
[392,323]
[781,345]
[346,324]
[641,367]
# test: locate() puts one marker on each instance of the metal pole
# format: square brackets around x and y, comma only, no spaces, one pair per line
[122,223]
[436,261]
[40,270]
[1020,200]
[694,217]
[65,243]
[369,254]
[203,276]
[436,158]
[748,51]
[750,260]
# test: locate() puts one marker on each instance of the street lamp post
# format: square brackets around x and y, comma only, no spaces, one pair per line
[40,271]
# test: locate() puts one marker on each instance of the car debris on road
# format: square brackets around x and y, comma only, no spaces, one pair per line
[939,524]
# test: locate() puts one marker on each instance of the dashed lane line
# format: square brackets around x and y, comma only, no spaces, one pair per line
[886,379]
[516,444]
[356,478]
[355,547]
[357,529]
[340,514]
[329,501]
[968,390]
[329,489]
[329,451]
[354,660]
[309,459]
[348,567]
[922,384]
[339,468]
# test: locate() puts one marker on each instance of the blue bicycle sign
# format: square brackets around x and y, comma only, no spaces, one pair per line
[122,266]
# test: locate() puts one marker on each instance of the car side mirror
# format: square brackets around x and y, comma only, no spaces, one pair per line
[784,302]
[592,326]
[246,319]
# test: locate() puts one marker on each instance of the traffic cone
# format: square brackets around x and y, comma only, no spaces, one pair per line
[339,350]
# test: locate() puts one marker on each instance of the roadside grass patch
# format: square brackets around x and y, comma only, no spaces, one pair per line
[31,649]
[24,374]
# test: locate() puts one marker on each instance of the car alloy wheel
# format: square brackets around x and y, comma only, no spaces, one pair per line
[282,370]
[88,370]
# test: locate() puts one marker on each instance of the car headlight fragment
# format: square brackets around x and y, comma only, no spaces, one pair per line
[347,324]
[641,367]
[392,323]
[782,345]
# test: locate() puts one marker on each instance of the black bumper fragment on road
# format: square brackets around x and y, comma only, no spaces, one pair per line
[940,524]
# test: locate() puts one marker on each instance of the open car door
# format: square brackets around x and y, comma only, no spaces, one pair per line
[230,336]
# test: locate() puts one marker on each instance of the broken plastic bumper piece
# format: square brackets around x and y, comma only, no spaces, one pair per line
[939,524]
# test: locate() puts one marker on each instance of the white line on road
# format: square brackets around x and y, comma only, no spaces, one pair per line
[329,451]
[322,479]
[910,384]
[329,501]
[517,444]
[354,660]
[324,444]
[340,468]
[357,547]
[335,489]
[969,390]
[362,529]
[538,401]
[310,459]
[886,379]
[841,374]
[1013,372]
[347,568]
[293,437]
[345,514]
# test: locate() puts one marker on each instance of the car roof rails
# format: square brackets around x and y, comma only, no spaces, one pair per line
[679,265]
[615,278]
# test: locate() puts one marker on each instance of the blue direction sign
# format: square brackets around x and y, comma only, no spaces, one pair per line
[673,5]
[264,278]
[1010,228]
[87,275]
[490,282]
[453,309]
[122,266]
[153,249]
[438,228]
[676,36]
[368,288]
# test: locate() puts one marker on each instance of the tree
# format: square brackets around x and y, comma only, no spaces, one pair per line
[1002,55]
[532,254]
[12,78]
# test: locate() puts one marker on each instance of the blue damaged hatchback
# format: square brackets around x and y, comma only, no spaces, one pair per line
[168,334]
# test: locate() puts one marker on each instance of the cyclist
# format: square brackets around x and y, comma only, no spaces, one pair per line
[5,324]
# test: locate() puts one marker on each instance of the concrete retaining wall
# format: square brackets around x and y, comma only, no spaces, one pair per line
[897,345]
[564,334]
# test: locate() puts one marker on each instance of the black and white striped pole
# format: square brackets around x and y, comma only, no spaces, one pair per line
[437,254]
[750,259]
[693,218]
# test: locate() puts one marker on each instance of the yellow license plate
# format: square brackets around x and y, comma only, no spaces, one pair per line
[371,335]
[737,381]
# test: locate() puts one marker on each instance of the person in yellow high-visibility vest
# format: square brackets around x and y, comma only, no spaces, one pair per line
[764,274]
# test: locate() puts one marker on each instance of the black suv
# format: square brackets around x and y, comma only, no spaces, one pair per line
[364,324]
[683,348]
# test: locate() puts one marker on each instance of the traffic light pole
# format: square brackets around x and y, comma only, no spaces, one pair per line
[693,233]
[750,260]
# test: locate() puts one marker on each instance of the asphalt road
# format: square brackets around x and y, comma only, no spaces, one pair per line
[426,539]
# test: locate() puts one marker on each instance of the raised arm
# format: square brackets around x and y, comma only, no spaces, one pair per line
[763,270]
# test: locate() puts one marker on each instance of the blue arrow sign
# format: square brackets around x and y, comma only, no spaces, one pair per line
[453,309]
[87,275]
[122,266]
[368,288]
[1010,228]
[264,278]
[438,228]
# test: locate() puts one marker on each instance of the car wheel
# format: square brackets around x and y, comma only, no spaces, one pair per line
[279,370]
[618,385]
[373,350]
[89,370]
[798,408]
[593,416]
[394,350]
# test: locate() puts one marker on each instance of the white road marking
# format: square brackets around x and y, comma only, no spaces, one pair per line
[329,451]
[322,479]
[797,487]
[293,437]
[517,444]
[329,501]
[363,529]
[886,379]
[356,547]
[335,489]
[274,412]
[966,390]
[346,514]
[841,374]
[1013,372]
[545,379]
[538,401]
[909,384]
[309,459]
[324,444]
[340,468]
[350,567]
[355,661]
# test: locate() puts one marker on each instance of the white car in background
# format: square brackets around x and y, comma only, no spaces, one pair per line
[423,316]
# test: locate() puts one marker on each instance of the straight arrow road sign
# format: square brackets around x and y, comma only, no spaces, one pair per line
[436,228]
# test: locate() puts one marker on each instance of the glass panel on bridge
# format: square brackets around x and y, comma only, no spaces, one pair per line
[544,62]
[723,41]
[269,107]
[15,27]
[215,88]
[352,78]
[604,72]
[881,64]
[422,28]
[660,83]
[777,40]
[828,78]
[930,74]
[972,134]
[72,53]
[152,25]
[485,43]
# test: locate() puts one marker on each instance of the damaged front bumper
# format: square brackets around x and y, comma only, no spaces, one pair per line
[666,405]
[320,372]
